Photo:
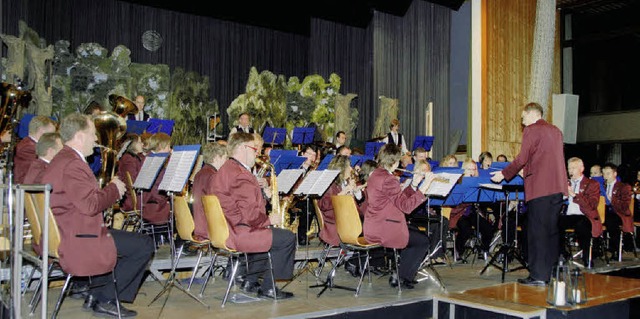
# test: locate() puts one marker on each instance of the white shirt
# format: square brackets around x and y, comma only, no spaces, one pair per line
[573,208]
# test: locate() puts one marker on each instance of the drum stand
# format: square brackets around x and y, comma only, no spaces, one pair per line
[508,249]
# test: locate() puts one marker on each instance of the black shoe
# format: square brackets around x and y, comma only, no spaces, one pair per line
[529,281]
[274,293]
[89,303]
[250,287]
[80,292]
[352,269]
[408,284]
[110,309]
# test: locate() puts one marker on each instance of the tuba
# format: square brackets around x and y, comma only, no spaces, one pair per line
[110,127]
[13,97]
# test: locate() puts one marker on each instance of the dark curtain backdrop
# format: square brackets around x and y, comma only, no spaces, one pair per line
[399,57]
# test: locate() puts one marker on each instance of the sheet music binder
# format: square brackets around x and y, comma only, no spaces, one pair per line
[303,135]
[137,127]
[287,178]
[443,184]
[288,162]
[316,182]
[274,135]
[179,168]
[158,125]
[150,169]
[423,141]
[359,159]
[372,148]
[324,164]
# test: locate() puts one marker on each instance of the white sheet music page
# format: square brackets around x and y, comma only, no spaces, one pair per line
[149,171]
[491,186]
[442,184]
[178,170]
[288,178]
[317,182]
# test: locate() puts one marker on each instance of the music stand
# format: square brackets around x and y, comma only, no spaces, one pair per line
[274,135]
[178,170]
[324,164]
[423,141]
[508,248]
[303,135]
[159,125]
[288,162]
[137,127]
[372,148]
[359,159]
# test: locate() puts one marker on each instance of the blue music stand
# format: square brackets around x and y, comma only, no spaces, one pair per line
[454,198]
[324,164]
[372,148]
[288,162]
[274,135]
[158,125]
[407,175]
[499,165]
[477,194]
[518,180]
[23,127]
[275,154]
[303,135]
[359,159]
[137,127]
[423,141]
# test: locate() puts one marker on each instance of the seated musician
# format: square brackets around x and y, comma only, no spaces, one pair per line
[47,147]
[618,198]
[156,207]
[582,210]
[87,247]
[384,220]
[244,207]
[214,155]
[449,161]
[467,216]
[25,151]
[312,155]
[485,159]
[343,150]
[131,162]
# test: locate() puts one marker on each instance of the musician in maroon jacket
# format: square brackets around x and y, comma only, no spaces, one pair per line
[618,198]
[582,209]
[214,155]
[156,209]
[244,207]
[131,162]
[47,147]
[385,222]
[545,183]
[25,152]
[343,185]
[87,247]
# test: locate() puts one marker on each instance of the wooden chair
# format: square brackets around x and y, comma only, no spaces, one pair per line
[218,235]
[349,229]
[185,227]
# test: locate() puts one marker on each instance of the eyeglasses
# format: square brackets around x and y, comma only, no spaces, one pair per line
[255,149]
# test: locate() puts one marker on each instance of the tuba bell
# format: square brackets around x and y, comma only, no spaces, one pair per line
[13,97]
[111,127]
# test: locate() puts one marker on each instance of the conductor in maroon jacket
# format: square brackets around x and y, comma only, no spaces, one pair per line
[87,247]
[244,207]
[541,158]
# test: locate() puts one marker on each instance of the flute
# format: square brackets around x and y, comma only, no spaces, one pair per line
[436,179]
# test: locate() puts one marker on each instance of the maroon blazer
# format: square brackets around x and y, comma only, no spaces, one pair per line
[542,157]
[156,209]
[456,213]
[587,199]
[36,169]
[86,246]
[129,163]
[202,185]
[620,201]
[25,154]
[244,207]
[329,232]
[384,221]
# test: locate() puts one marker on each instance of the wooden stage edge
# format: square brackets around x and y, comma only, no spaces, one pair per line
[522,301]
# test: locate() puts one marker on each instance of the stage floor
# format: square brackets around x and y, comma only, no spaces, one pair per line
[305,304]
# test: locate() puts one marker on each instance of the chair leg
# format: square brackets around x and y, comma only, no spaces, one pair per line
[362,271]
[590,258]
[63,293]
[396,261]
[35,299]
[29,279]
[620,246]
[232,278]
[195,268]
[322,260]
[273,279]
[210,273]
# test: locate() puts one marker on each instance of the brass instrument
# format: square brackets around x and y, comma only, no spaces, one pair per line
[110,127]
[277,207]
[13,98]
[636,188]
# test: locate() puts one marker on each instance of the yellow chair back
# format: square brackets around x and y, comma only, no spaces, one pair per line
[184,219]
[216,222]
[446,212]
[601,208]
[348,221]
[132,193]
[54,232]
[33,218]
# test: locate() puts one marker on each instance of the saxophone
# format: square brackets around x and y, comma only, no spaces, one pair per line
[277,207]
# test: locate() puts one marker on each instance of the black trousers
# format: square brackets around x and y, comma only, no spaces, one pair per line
[411,256]
[283,253]
[134,253]
[582,227]
[543,235]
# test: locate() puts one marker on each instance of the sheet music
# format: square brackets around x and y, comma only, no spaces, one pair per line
[442,184]
[288,178]
[317,182]
[149,171]
[178,170]
[491,186]
[196,168]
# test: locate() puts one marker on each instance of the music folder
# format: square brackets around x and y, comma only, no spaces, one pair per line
[181,162]
[316,182]
[137,127]
[372,148]
[287,178]
[303,135]
[159,125]
[150,169]
[423,141]
[442,184]
[274,135]
[324,164]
